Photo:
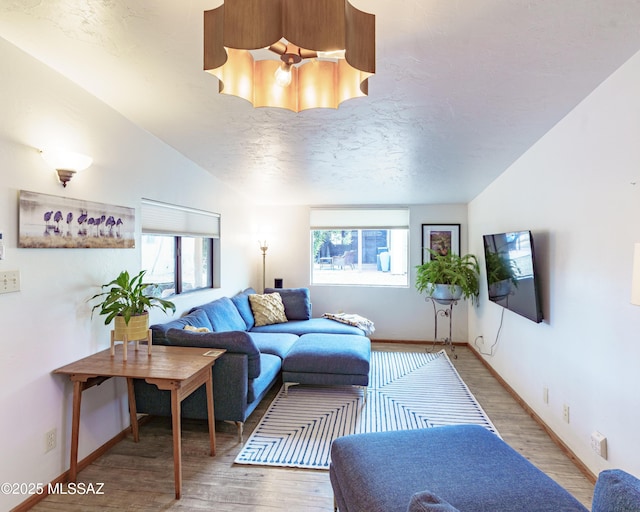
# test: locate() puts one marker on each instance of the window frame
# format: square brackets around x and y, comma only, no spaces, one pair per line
[178,222]
[178,261]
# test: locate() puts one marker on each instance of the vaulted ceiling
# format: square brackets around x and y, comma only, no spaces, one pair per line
[462,89]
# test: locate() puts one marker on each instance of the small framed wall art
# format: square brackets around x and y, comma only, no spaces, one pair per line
[59,222]
[440,238]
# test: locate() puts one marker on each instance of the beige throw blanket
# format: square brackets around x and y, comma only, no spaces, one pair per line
[352,319]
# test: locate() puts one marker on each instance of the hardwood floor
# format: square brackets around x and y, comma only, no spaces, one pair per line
[139,476]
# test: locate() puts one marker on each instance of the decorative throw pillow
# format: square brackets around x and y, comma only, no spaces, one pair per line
[196,329]
[267,309]
[297,302]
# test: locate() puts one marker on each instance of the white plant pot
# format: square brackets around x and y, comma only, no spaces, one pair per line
[443,293]
[500,289]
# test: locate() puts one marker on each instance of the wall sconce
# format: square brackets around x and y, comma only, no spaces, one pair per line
[635,277]
[66,163]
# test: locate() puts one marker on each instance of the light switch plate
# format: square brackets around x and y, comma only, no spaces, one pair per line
[9,281]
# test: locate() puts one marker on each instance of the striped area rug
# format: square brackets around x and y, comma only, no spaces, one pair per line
[407,390]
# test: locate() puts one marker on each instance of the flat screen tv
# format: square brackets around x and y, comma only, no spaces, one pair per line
[511,273]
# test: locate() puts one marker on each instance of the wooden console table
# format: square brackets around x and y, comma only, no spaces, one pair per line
[180,370]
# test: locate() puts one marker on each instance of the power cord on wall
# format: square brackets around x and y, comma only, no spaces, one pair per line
[495,343]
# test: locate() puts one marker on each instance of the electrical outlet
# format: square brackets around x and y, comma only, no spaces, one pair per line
[545,395]
[599,444]
[50,440]
[565,413]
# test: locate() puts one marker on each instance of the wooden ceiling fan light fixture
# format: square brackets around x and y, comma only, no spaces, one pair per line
[289,28]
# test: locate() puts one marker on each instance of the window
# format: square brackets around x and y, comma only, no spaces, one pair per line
[193,270]
[180,247]
[367,247]
[158,259]
[195,262]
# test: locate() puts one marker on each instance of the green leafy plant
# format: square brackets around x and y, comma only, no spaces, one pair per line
[500,269]
[450,269]
[128,296]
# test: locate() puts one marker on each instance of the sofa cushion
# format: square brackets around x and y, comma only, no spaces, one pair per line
[196,318]
[270,366]
[344,354]
[267,309]
[223,315]
[426,501]
[241,302]
[277,344]
[616,491]
[315,325]
[234,342]
[297,302]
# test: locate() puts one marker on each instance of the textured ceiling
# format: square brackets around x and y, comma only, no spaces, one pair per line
[462,89]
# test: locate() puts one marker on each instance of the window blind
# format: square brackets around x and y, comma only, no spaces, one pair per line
[169,219]
[359,218]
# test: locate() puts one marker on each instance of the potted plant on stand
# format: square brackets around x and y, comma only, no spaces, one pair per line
[449,277]
[127,303]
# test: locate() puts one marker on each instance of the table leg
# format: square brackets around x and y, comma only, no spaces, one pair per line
[177,447]
[133,413]
[210,413]
[75,428]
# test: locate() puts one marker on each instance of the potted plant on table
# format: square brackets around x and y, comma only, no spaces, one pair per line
[127,302]
[449,277]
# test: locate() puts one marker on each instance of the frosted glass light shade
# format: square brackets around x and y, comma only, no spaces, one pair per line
[66,160]
[66,163]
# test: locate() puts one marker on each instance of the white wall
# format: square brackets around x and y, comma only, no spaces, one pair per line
[575,189]
[398,313]
[47,323]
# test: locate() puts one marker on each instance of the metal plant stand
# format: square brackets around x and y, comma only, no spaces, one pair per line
[446,311]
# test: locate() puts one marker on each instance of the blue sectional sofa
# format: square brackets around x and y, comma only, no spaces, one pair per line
[461,468]
[254,357]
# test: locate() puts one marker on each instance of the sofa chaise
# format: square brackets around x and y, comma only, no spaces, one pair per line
[254,355]
[461,468]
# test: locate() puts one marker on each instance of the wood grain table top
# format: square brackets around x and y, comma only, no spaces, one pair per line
[165,362]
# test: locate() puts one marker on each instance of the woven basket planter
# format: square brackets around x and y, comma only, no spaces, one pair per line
[138,328]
